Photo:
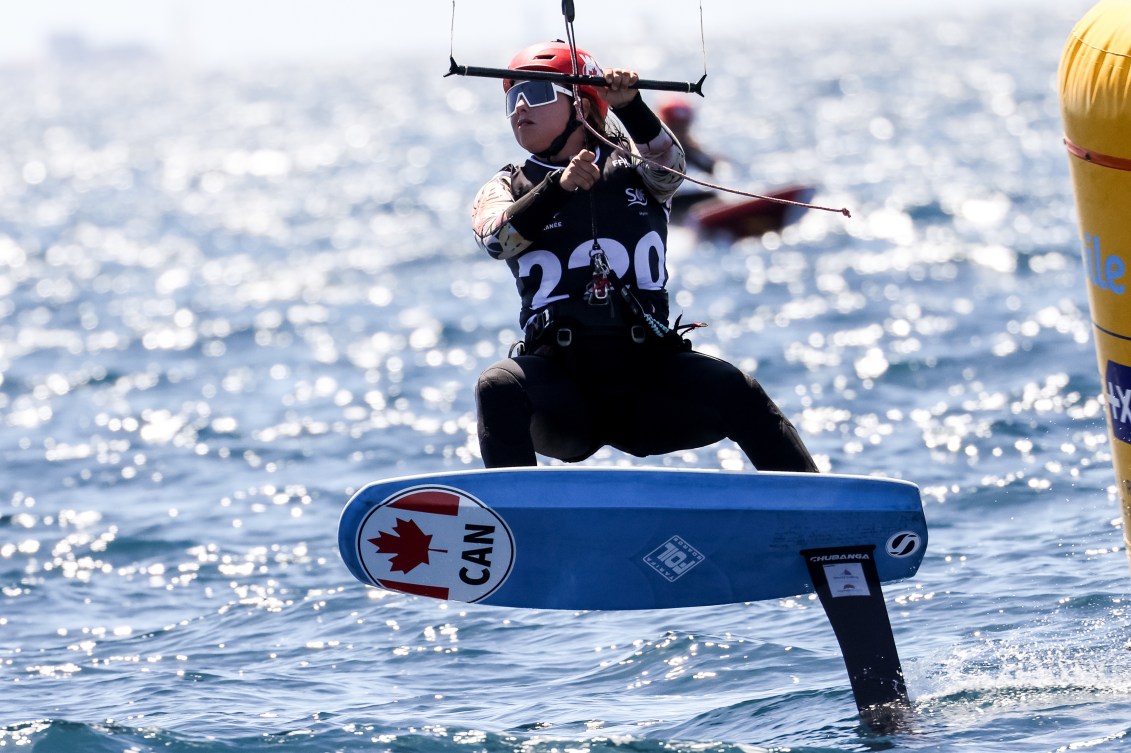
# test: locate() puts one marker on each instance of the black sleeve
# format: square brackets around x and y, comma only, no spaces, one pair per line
[529,214]
[638,118]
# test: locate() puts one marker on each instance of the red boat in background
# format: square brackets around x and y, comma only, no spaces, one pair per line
[745,218]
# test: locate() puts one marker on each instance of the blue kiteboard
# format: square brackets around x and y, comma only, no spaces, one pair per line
[616,538]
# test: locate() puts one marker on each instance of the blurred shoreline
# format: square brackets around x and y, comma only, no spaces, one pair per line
[209,34]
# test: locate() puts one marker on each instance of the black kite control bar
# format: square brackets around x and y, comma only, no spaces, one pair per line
[566,78]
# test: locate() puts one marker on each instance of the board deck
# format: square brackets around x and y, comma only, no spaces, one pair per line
[623,538]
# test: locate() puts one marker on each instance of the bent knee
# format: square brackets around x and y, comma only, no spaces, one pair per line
[732,383]
[497,379]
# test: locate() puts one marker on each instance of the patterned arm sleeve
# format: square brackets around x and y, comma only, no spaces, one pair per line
[489,218]
[506,226]
[652,140]
[664,150]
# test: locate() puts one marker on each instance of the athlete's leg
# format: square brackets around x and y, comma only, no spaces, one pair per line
[695,400]
[529,404]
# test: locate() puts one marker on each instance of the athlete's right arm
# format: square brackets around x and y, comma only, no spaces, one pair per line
[505,226]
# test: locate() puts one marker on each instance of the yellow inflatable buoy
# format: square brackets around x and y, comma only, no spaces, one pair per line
[1095,102]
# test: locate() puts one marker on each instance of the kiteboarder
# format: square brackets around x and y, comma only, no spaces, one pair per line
[583,229]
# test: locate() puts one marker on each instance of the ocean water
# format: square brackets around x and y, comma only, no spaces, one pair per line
[229,299]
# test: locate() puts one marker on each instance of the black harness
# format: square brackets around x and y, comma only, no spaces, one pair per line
[610,312]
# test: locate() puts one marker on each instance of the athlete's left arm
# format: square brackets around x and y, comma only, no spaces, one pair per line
[655,142]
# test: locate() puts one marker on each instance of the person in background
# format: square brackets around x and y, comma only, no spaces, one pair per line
[675,110]
[677,114]
[583,229]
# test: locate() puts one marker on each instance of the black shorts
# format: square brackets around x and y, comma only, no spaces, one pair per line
[645,402]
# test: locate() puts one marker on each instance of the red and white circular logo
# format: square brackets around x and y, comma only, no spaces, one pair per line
[436,541]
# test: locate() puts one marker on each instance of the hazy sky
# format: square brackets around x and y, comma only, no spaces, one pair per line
[219,32]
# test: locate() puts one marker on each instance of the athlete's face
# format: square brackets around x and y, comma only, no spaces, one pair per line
[535,128]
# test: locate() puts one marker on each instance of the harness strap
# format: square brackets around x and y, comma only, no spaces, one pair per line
[602,267]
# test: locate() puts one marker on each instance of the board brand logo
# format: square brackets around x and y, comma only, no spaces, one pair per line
[852,557]
[674,558]
[904,544]
[436,541]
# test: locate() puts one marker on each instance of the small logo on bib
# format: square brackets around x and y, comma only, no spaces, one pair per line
[436,541]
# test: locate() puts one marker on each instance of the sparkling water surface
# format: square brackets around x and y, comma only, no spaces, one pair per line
[230,299]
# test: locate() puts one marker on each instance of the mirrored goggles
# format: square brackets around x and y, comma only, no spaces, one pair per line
[534,93]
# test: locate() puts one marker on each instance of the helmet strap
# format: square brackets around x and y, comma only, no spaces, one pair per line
[559,143]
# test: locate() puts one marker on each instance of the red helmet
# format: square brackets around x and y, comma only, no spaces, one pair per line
[674,108]
[555,56]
